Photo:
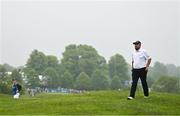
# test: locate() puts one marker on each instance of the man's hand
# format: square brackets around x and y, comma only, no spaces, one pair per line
[146,69]
[148,63]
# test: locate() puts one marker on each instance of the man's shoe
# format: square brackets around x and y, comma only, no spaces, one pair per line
[146,97]
[130,98]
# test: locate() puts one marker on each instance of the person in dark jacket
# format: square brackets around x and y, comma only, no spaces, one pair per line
[16,88]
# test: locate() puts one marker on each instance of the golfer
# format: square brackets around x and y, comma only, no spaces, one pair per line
[16,88]
[140,64]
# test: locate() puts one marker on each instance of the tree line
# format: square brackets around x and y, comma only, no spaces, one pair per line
[82,67]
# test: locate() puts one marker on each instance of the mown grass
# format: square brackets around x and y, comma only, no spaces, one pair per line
[91,103]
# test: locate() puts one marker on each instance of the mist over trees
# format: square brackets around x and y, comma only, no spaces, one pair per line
[82,67]
[165,78]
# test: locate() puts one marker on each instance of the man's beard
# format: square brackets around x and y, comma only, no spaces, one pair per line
[137,48]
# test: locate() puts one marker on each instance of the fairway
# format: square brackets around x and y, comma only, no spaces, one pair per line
[91,103]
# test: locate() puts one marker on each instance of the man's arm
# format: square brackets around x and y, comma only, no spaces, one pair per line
[148,63]
[132,64]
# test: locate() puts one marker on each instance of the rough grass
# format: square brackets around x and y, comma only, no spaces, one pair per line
[91,103]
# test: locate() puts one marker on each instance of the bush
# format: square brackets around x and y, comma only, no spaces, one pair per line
[167,84]
[5,88]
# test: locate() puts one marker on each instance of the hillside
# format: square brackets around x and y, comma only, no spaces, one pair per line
[101,102]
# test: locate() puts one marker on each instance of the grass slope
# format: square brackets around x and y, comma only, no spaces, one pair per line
[93,103]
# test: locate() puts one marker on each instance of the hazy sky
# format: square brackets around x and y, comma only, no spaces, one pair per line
[109,26]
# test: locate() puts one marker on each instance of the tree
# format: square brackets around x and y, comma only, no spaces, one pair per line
[82,58]
[5,81]
[70,60]
[150,81]
[118,67]
[31,78]
[172,70]
[8,67]
[2,72]
[116,83]
[90,60]
[159,70]
[99,81]
[5,87]
[52,61]
[67,80]
[37,61]
[83,81]
[16,75]
[52,77]
[167,84]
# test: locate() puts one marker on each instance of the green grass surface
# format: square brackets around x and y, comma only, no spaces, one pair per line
[92,103]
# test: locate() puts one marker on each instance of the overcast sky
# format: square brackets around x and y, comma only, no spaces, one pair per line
[109,26]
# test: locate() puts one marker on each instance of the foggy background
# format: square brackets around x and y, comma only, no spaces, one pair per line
[109,26]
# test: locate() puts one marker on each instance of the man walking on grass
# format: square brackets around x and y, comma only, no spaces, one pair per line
[140,64]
